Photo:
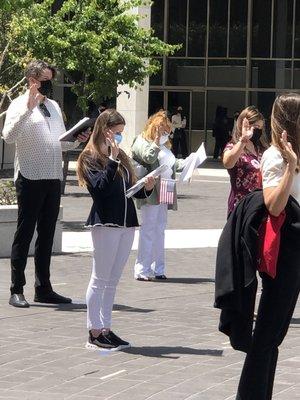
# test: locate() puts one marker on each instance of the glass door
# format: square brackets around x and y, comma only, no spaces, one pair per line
[197,131]
[193,105]
[183,99]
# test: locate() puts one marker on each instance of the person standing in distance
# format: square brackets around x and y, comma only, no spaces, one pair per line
[179,136]
[34,123]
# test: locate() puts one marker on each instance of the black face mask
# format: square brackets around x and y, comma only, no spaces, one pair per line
[256,135]
[46,88]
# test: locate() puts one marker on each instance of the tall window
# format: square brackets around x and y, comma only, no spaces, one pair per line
[177,24]
[218,22]
[197,23]
[157,18]
[261,28]
[238,28]
[215,66]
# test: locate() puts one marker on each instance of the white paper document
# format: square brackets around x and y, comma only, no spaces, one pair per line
[81,126]
[191,163]
[141,183]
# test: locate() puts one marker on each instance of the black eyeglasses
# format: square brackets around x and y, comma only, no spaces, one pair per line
[44,110]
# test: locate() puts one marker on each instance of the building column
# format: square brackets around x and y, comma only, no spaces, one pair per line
[133,103]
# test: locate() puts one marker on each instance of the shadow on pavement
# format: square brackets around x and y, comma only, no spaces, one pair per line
[79,306]
[191,281]
[121,307]
[295,321]
[74,226]
[190,196]
[61,307]
[171,352]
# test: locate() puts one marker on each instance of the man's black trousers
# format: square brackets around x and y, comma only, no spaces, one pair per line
[38,206]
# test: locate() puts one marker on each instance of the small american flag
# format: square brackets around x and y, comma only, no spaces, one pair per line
[167,188]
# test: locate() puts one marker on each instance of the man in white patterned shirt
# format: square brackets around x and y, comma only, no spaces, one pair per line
[34,123]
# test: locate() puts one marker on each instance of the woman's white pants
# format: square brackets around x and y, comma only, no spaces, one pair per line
[111,251]
[151,248]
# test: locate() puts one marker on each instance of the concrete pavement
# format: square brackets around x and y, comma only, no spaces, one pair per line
[177,350]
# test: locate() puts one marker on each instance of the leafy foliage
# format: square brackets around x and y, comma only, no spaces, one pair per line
[100,39]
[11,68]
[7,193]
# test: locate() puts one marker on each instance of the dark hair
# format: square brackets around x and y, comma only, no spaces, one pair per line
[35,68]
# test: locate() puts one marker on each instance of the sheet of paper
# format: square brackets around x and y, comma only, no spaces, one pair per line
[82,125]
[140,184]
[201,154]
[191,163]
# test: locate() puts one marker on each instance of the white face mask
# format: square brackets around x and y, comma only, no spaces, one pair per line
[164,138]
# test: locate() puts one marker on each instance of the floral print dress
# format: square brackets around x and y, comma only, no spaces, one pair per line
[245,177]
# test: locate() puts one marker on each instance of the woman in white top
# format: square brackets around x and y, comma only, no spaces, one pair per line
[281,179]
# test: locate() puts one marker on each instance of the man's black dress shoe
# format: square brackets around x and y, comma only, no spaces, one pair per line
[18,300]
[52,298]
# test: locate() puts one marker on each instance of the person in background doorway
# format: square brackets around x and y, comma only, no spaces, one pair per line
[179,136]
[221,131]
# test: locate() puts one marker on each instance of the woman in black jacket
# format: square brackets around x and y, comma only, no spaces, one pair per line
[107,173]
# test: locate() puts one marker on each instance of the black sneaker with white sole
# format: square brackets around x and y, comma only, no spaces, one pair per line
[117,340]
[108,341]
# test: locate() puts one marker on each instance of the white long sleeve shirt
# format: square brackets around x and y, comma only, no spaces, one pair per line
[178,122]
[38,150]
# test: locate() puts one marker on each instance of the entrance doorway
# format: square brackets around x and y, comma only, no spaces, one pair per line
[193,105]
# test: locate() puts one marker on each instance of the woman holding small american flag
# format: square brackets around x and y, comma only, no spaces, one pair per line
[152,149]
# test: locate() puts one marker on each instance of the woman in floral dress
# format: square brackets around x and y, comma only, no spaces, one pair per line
[243,153]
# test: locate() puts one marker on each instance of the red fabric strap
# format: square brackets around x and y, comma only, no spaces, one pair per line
[269,238]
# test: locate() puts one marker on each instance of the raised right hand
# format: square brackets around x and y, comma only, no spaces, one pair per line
[290,155]
[157,136]
[247,131]
[114,148]
[34,97]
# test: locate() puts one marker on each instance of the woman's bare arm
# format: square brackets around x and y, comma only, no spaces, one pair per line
[231,156]
[276,198]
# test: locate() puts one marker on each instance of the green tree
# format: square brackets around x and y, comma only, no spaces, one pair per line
[10,71]
[100,40]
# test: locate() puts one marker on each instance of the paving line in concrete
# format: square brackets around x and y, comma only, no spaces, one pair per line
[114,374]
[210,181]
[74,242]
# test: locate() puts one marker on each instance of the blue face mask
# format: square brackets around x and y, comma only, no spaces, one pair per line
[118,137]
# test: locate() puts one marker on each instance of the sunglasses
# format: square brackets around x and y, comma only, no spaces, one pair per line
[44,110]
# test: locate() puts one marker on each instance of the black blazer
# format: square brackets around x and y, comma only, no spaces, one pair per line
[237,260]
[110,204]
